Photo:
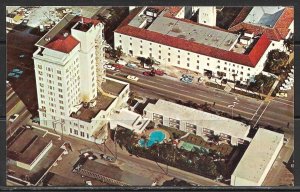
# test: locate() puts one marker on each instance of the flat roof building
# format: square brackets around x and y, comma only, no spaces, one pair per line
[169,38]
[196,121]
[258,158]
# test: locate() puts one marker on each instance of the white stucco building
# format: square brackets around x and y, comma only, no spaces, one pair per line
[74,96]
[258,159]
[173,40]
[196,122]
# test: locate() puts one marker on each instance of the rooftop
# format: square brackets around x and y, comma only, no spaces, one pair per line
[116,173]
[266,16]
[275,27]
[59,38]
[201,118]
[258,155]
[27,147]
[87,114]
[194,32]
[112,87]
[20,143]
[249,59]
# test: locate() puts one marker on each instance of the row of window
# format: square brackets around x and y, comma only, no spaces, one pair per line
[82,134]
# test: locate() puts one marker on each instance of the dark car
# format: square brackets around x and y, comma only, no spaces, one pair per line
[148,73]
[158,72]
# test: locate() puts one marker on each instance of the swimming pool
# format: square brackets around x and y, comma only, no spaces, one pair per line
[154,137]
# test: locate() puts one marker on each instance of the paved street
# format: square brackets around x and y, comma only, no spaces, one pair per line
[278,113]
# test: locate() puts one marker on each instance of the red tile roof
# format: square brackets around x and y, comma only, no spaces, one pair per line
[88,20]
[65,45]
[250,59]
[277,33]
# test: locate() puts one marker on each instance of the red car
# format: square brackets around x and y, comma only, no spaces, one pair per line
[118,66]
[158,72]
[148,73]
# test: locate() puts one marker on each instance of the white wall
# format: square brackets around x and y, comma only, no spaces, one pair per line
[186,59]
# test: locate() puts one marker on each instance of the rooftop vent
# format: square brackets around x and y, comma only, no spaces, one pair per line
[66,34]
[47,39]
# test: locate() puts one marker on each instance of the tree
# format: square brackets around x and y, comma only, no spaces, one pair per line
[276,61]
[119,52]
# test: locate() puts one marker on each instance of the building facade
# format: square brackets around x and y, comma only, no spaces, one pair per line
[205,50]
[69,76]
[196,122]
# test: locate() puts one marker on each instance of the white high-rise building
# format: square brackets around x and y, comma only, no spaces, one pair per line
[69,78]
[207,15]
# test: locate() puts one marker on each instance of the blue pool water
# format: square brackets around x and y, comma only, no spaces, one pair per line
[154,137]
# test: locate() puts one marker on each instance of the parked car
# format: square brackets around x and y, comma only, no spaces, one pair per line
[148,73]
[132,77]
[131,65]
[108,66]
[281,94]
[28,126]
[121,62]
[13,117]
[118,66]
[186,80]
[158,72]
[187,76]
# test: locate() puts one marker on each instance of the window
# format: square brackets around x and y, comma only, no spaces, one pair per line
[178,51]
[81,134]
[207,58]
[87,135]
[178,56]
[150,49]
[197,61]
[41,84]
[188,53]
[241,72]
[59,84]
[92,55]
[141,52]
[40,66]
[248,74]
[40,78]
[169,54]
[188,65]
[75,132]
[61,102]
[159,51]
[233,70]
[61,107]
[120,41]
[159,57]
[218,61]
[225,68]
[207,64]
[141,47]
[178,62]
[40,73]
[130,43]
[70,130]
[248,69]
[197,67]
[188,58]
[59,78]
[169,59]
[218,67]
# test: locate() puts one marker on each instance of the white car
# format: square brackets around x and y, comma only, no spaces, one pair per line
[133,78]
[88,183]
[121,62]
[13,117]
[110,67]
[281,94]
